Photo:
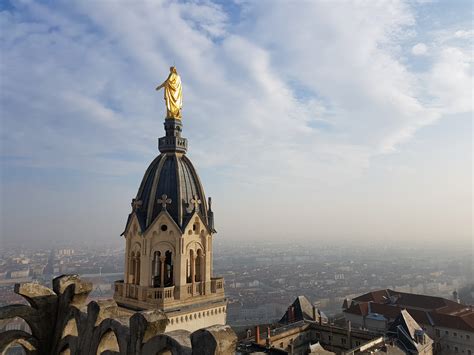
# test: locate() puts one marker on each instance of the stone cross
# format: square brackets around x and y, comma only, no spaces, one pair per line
[164,200]
[196,202]
[136,204]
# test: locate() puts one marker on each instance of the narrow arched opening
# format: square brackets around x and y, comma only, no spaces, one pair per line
[199,265]
[168,269]
[131,271]
[137,269]
[156,269]
[190,267]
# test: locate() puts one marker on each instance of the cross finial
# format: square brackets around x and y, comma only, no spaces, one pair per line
[136,204]
[164,200]
[196,202]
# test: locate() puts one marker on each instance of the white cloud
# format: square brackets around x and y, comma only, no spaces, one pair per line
[419,49]
[464,34]
[450,81]
[292,94]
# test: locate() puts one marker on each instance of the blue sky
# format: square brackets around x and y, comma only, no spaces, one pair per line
[323,120]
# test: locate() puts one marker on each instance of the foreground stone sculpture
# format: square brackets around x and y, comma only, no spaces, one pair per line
[62,323]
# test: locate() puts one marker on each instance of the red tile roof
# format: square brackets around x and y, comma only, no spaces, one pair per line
[427,310]
[412,300]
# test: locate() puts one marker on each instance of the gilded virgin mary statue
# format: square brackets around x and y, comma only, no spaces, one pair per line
[173,94]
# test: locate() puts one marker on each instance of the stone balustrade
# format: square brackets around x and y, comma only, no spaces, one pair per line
[160,295]
[217,285]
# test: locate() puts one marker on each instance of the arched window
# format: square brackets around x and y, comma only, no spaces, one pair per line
[162,267]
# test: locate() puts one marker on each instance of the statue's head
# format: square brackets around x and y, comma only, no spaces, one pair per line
[173,69]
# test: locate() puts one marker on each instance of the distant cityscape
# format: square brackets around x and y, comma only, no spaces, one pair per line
[263,278]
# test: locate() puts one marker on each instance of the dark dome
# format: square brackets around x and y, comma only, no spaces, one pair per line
[173,175]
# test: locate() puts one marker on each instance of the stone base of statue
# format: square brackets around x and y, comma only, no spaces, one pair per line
[172,141]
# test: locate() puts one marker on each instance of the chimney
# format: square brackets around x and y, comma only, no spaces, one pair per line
[268,341]
[456,297]
[291,314]
[320,318]
[314,313]
[257,334]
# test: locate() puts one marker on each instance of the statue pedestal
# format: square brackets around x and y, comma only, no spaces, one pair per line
[172,142]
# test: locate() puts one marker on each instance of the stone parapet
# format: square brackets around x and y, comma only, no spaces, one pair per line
[62,323]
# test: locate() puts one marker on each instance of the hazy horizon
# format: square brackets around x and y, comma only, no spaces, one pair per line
[334,122]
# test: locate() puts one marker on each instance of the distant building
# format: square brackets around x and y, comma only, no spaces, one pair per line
[19,274]
[450,324]
[308,334]
[49,269]
[66,252]
[302,309]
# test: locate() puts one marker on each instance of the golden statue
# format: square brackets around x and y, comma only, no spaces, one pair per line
[173,94]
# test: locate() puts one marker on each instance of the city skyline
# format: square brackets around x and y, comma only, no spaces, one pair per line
[352,123]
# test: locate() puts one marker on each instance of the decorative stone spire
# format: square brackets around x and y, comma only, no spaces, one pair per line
[210,215]
[136,204]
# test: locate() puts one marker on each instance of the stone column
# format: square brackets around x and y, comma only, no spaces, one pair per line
[193,273]
[209,255]
[138,270]
[162,270]
[202,264]
[134,269]
[154,270]
[127,261]
[129,269]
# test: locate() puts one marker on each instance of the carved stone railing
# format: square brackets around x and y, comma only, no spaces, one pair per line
[160,295]
[118,288]
[62,323]
[132,291]
[217,285]
[198,288]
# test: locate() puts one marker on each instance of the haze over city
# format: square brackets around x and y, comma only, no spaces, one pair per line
[341,123]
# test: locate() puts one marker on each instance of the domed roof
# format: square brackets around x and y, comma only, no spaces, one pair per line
[172,175]
[171,183]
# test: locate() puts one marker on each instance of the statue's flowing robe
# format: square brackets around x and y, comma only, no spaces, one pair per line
[173,96]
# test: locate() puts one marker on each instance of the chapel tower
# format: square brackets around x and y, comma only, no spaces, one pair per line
[168,236]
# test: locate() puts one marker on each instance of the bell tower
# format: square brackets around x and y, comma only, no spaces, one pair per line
[168,242]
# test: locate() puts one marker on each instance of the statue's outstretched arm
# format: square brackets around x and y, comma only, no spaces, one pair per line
[161,86]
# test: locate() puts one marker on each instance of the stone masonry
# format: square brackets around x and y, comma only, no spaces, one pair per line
[62,323]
